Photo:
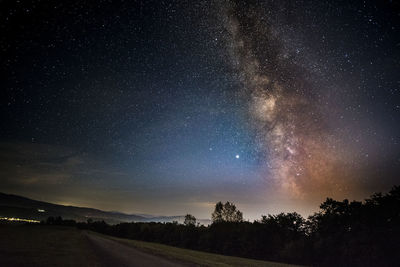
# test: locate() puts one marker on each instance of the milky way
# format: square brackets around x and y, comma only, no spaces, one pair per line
[168,107]
[300,152]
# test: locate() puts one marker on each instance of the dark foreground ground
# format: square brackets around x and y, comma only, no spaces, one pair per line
[38,245]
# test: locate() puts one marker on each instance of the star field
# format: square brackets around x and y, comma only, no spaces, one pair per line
[169,106]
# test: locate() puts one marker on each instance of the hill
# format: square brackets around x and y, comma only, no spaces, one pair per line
[22,207]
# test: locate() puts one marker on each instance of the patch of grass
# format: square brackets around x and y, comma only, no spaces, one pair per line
[193,256]
[39,245]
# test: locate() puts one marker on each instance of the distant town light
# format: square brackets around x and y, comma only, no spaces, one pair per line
[40,210]
[19,219]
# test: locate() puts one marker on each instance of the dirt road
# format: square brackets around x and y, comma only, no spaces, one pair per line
[61,246]
[112,253]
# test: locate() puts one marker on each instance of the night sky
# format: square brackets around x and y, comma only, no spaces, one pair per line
[166,107]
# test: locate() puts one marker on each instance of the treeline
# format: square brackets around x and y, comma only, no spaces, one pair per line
[342,233]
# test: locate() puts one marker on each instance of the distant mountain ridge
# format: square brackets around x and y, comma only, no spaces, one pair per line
[22,207]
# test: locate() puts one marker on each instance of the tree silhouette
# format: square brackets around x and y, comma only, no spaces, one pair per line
[342,233]
[291,222]
[226,213]
[190,220]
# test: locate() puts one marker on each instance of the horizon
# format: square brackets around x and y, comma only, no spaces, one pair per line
[169,107]
[138,213]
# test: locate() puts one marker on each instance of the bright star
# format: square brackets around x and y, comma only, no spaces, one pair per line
[237,156]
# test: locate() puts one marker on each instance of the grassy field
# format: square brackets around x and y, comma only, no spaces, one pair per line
[195,257]
[38,245]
